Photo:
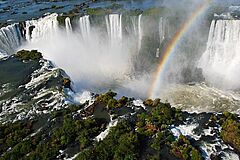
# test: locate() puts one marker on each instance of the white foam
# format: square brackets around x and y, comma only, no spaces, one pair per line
[104,134]
[230,156]
[139,103]
[186,130]
[83,97]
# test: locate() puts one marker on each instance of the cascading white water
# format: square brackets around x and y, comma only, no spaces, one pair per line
[85,28]
[136,29]
[134,25]
[85,55]
[10,39]
[140,32]
[43,28]
[163,29]
[91,59]
[114,27]
[68,25]
[221,60]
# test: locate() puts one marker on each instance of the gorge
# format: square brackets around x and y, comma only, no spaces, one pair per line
[59,73]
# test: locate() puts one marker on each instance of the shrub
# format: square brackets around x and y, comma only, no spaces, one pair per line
[183,149]
[148,102]
[230,133]
[29,55]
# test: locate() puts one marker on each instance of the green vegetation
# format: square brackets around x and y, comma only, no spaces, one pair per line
[119,8]
[132,140]
[216,8]
[28,55]
[79,131]
[65,128]
[103,11]
[121,143]
[157,11]
[110,102]
[97,11]
[47,145]
[183,149]
[143,135]
[161,116]
[61,19]
[13,134]
[230,132]
[78,10]
[115,6]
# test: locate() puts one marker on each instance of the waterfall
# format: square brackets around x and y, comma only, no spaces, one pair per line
[140,34]
[42,28]
[158,53]
[136,30]
[133,29]
[221,60]
[114,27]
[84,24]
[68,25]
[163,29]
[10,39]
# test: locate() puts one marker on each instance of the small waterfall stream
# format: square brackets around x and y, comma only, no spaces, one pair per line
[85,27]
[114,27]
[68,25]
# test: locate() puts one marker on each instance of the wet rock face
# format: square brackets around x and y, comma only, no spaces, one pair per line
[15,72]
[192,75]
[22,28]
[29,86]
[31,28]
[214,157]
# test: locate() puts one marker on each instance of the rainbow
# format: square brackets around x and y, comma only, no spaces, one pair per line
[166,56]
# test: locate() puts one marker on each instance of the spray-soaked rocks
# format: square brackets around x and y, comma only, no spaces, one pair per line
[144,130]
[29,86]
